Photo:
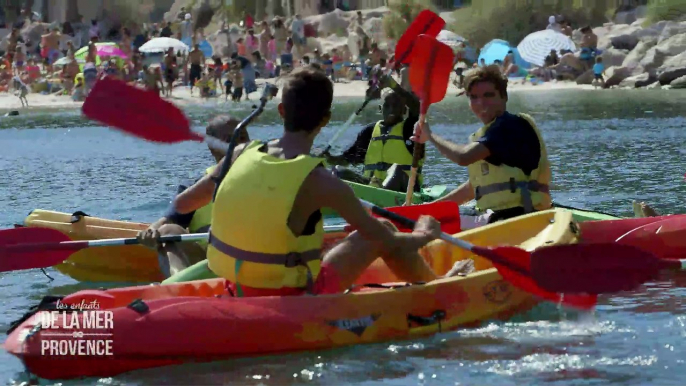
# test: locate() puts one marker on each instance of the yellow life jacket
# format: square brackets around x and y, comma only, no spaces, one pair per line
[385,150]
[250,241]
[504,187]
[202,218]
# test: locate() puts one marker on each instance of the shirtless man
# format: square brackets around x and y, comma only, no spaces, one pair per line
[169,70]
[50,45]
[196,58]
[589,44]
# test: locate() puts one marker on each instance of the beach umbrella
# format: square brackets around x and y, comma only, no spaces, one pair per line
[162,45]
[450,38]
[205,46]
[497,49]
[63,61]
[81,53]
[537,45]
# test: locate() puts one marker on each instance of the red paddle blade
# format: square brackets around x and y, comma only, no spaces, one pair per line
[666,239]
[138,112]
[593,268]
[426,23]
[514,265]
[446,212]
[25,248]
[430,70]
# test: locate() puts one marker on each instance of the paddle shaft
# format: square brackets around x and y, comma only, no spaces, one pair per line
[268,93]
[481,251]
[346,125]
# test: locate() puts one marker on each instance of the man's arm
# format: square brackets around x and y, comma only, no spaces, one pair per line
[463,155]
[333,193]
[411,100]
[200,194]
[464,193]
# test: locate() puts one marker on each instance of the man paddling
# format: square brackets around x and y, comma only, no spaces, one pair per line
[381,144]
[267,229]
[176,257]
[506,159]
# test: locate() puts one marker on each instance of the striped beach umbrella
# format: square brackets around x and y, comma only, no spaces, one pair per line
[536,46]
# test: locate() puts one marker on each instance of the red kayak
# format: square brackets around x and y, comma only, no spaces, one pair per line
[663,235]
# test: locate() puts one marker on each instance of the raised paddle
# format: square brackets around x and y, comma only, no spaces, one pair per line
[429,76]
[426,23]
[512,264]
[144,114]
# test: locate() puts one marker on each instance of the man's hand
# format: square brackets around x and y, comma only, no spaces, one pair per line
[428,227]
[149,237]
[422,133]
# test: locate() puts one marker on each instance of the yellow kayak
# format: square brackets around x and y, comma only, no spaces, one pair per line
[385,311]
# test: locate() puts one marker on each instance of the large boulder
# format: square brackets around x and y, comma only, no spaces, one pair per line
[656,56]
[619,34]
[670,29]
[332,22]
[638,53]
[615,75]
[679,82]
[637,81]
[614,57]
[585,78]
[673,68]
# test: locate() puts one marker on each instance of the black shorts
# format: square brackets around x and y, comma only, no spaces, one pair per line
[169,75]
[237,92]
[598,76]
[506,214]
[195,73]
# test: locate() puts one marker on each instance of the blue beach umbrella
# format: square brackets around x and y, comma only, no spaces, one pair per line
[497,49]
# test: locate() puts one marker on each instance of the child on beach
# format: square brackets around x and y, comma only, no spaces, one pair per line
[21,90]
[236,77]
[598,69]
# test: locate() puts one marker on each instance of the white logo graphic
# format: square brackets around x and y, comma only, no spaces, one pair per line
[66,332]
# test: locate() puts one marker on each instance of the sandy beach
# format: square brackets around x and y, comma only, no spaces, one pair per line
[182,96]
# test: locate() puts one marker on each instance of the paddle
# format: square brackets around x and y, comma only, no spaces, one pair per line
[429,76]
[142,113]
[19,249]
[598,268]
[512,263]
[426,23]
[345,127]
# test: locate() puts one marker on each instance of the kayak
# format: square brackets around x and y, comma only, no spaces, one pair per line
[138,264]
[158,325]
[386,198]
[119,264]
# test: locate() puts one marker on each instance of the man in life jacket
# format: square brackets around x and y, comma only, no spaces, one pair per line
[267,228]
[175,257]
[382,144]
[506,159]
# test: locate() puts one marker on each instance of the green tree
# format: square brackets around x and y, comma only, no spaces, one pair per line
[401,14]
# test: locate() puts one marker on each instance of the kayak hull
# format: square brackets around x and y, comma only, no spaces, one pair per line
[162,330]
[138,264]
[386,198]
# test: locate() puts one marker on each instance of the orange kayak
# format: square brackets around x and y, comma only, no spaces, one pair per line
[156,325]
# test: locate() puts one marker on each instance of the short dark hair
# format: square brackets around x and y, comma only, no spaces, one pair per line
[306,97]
[490,74]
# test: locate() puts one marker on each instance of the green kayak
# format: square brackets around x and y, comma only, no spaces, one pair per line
[385,198]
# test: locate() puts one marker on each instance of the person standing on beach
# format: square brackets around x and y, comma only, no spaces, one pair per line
[506,159]
[197,59]
[50,45]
